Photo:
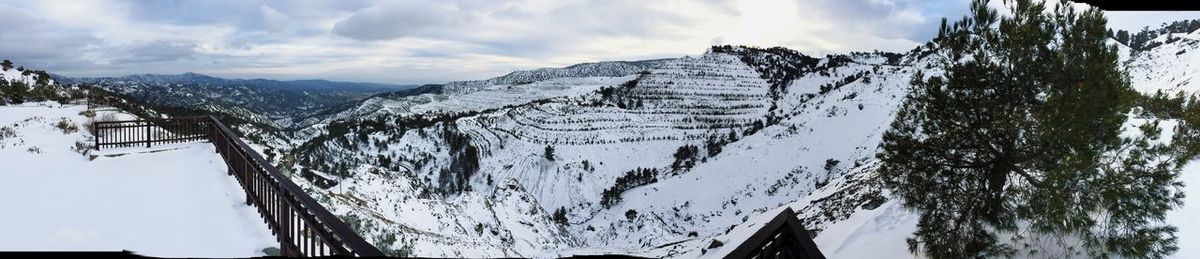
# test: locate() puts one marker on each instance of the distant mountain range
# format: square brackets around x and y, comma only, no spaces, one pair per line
[272,102]
[192,78]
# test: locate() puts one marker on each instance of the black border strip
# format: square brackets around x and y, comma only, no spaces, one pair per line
[1144,5]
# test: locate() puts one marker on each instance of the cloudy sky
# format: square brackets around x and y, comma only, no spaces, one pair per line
[429,41]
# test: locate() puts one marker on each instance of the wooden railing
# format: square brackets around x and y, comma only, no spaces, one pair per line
[782,237]
[302,226]
[149,132]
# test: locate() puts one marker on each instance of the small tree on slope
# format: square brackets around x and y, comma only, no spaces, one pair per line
[1017,144]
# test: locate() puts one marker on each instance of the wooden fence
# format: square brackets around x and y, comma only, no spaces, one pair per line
[130,133]
[302,226]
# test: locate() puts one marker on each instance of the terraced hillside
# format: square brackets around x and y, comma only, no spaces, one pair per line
[686,99]
[595,69]
[576,167]
[434,99]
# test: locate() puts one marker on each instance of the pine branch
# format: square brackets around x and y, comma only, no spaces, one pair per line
[1029,178]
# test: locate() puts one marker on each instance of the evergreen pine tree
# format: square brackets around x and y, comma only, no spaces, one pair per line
[1018,143]
[560,216]
[18,92]
[43,92]
[1187,133]
[6,91]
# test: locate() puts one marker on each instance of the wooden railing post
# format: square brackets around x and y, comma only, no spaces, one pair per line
[246,179]
[95,135]
[148,124]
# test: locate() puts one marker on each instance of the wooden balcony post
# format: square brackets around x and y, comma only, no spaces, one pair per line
[148,134]
[95,134]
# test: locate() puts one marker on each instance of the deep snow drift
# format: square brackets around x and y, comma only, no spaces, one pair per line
[171,200]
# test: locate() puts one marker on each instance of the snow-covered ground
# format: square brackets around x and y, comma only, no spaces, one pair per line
[1172,68]
[171,200]
[1187,218]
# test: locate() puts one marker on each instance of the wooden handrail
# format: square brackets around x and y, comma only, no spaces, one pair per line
[144,120]
[302,226]
[127,133]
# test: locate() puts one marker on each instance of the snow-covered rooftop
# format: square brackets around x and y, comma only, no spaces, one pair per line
[171,200]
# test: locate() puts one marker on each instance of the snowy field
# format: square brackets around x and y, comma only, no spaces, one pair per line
[170,200]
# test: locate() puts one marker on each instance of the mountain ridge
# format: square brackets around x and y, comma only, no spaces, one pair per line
[192,77]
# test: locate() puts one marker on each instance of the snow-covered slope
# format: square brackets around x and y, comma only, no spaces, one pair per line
[512,89]
[782,164]
[669,162]
[1187,218]
[437,101]
[168,201]
[628,154]
[684,99]
[1173,67]
[597,69]
[883,227]
[13,75]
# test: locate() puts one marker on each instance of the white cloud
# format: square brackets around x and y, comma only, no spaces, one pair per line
[419,41]
[26,37]
[397,19]
[155,51]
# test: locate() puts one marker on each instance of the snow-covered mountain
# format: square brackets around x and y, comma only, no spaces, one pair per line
[19,85]
[655,163]
[665,158]
[23,76]
[1172,67]
[514,88]
[596,69]
[678,160]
